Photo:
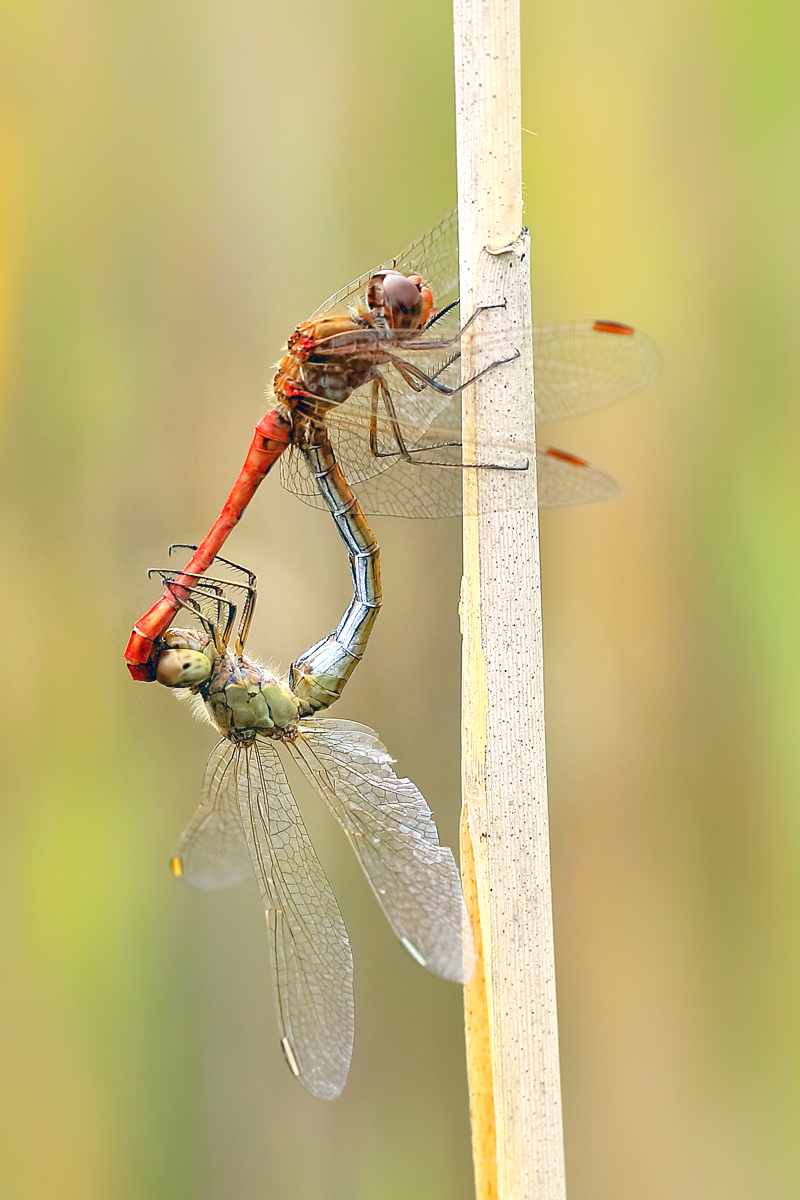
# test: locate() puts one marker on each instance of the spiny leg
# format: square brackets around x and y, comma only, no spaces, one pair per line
[248,608]
[249,601]
[443,343]
[443,313]
[218,628]
[406,454]
[380,389]
[407,369]
[249,575]
[219,587]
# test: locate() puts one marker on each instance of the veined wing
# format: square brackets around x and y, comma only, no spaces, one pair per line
[577,367]
[434,256]
[586,364]
[417,490]
[309,950]
[564,479]
[391,829]
[212,851]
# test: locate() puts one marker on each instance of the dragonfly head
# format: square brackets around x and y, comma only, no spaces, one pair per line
[403,301]
[186,660]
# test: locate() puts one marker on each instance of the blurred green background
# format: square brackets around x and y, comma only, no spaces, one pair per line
[181,184]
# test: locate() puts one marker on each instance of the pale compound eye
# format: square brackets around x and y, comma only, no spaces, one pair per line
[403,299]
[182,668]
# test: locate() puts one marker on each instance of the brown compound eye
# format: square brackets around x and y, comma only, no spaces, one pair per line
[402,300]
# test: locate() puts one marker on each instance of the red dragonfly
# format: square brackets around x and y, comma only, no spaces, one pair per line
[379,365]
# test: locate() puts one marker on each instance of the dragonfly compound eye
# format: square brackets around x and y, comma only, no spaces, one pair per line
[402,300]
[182,668]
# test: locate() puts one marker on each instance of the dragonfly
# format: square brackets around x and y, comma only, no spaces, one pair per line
[248,822]
[378,364]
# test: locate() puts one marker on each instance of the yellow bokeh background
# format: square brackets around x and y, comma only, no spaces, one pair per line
[180,185]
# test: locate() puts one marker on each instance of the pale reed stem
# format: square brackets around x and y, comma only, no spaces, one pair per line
[512,1034]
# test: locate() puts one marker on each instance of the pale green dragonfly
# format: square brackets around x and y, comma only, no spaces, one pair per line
[248,822]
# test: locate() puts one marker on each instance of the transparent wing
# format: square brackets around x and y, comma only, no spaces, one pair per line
[563,479]
[212,852]
[418,489]
[407,490]
[391,829]
[309,949]
[586,364]
[578,367]
[434,256]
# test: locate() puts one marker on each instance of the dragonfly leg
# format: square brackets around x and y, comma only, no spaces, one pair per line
[218,627]
[437,316]
[248,608]
[248,574]
[443,343]
[462,466]
[409,371]
[388,404]
[373,420]
[215,590]
[250,596]
[381,387]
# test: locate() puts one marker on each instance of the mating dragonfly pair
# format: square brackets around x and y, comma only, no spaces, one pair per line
[368,392]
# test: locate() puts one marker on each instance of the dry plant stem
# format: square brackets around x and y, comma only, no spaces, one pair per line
[479,1049]
[504,777]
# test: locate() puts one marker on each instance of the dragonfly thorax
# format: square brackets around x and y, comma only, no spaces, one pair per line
[326,372]
[329,357]
[243,699]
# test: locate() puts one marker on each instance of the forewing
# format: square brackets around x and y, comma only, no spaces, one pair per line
[577,368]
[391,829]
[212,852]
[586,364]
[434,256]
[309,949]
